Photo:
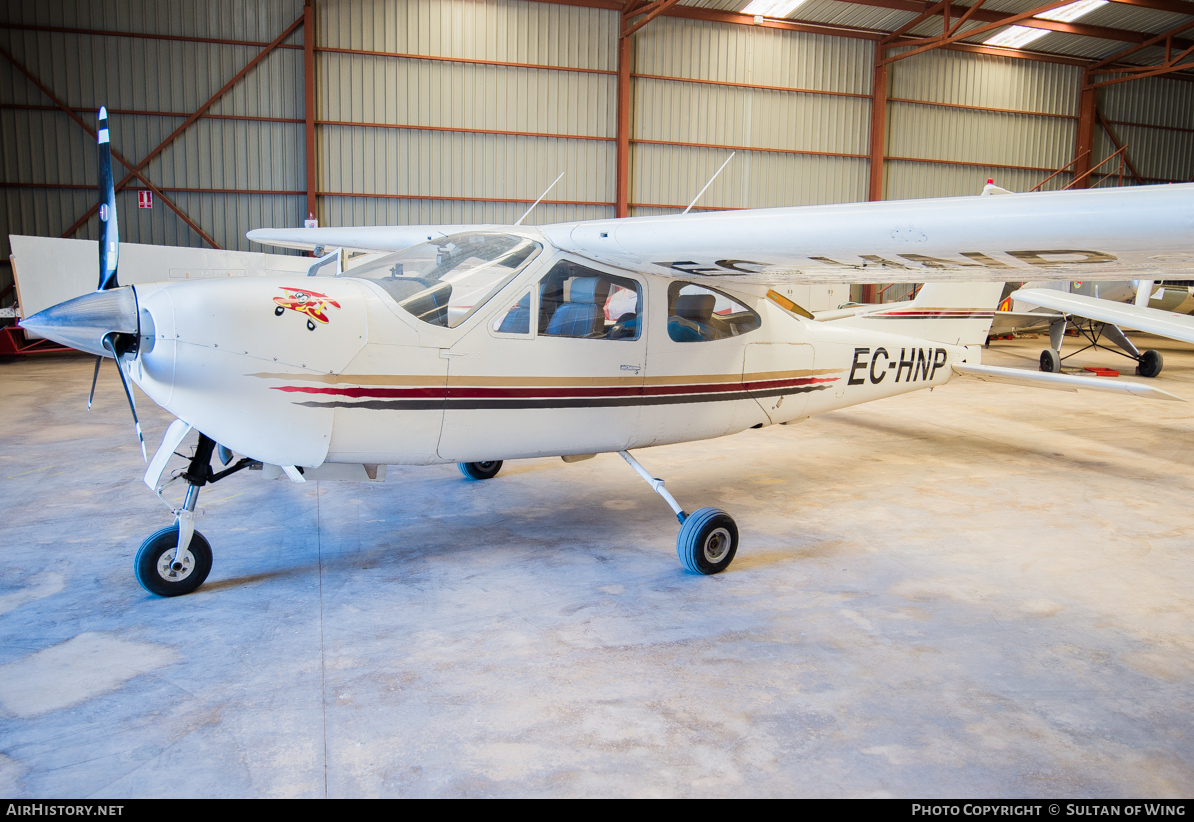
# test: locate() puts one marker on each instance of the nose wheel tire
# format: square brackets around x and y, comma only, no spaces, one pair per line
[1150,363]
[159,574]
[708,541]
[480,470]
[1050,361]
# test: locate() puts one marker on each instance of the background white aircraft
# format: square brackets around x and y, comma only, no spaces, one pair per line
[477,344]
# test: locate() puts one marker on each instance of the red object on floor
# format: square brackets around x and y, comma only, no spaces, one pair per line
[1103,372]
[14,344]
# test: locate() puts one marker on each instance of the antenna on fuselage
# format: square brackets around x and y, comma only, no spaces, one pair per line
[711,179]
[541,196]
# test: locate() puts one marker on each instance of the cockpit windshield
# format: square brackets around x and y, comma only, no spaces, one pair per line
[445,280]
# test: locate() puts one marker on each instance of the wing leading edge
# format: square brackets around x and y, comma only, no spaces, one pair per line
[1142,318]
[1141,232]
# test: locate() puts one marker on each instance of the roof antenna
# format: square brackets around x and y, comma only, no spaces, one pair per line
[541,196]
[711,179]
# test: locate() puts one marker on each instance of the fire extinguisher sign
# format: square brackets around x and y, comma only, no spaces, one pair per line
[145,199]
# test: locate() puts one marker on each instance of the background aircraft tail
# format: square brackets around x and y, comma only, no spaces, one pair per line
[954,313]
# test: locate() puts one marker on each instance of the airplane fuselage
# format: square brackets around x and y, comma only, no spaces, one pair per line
[333,369]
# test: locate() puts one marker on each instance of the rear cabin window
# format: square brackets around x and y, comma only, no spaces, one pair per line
[699,314]
[577,301]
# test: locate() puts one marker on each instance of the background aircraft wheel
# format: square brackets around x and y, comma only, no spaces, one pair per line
[155,571]
[480,470]
[708,541]
[1150,363]
[1050,361]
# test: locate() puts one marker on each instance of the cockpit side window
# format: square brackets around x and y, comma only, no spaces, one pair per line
[578,301]
[699,314]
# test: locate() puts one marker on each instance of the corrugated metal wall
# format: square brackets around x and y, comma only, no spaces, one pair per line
[1160,138]
[973,145]
[465,110]
[157,79]
[438,170]
[784,134]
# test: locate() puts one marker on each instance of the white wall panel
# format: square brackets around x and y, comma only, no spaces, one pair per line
[370,89]
[727,115]
[962,78]
[938,133]
[510,31]
[672,176]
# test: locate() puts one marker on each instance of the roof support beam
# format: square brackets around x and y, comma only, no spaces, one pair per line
[651,10]
[947,38]
[1118,145]
[987,16]
[878,130]
[309,103]
[1084,147]
[622,162]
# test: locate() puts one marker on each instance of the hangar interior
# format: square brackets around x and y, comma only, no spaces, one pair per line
[993,602]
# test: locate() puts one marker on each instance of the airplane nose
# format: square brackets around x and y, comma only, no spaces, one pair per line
[83,322]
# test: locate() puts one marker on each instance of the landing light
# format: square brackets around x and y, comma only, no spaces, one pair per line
[1018,37]
[771,8]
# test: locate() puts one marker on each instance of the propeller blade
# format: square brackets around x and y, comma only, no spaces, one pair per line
[128,392]
[109,247]
[94,378]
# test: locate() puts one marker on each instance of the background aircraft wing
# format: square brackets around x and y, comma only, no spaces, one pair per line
[1142,232]
[1152,320]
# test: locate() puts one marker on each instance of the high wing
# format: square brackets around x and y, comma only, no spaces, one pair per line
[1100,234]
[356,238]
[1151,320]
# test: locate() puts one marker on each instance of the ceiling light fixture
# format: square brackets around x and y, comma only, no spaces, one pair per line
[775,8]
[1017,37]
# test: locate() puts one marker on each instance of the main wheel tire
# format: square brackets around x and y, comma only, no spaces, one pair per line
[708,541]
[1150,363]
[1050,361]
[480,470]
[159,576]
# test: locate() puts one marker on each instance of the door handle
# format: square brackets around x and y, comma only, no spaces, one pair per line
[634,368]
[448,353]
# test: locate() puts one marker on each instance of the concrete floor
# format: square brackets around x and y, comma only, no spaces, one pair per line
[983,591]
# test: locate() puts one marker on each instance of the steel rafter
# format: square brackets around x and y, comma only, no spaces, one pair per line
[946,38]
[1172,63]
[650,10]
[1119,146]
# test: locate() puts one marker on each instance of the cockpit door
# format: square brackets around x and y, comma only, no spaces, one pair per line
[555,368]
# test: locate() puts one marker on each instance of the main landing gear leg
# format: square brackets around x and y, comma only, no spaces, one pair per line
[708,538]
[1148,363]
[176,560]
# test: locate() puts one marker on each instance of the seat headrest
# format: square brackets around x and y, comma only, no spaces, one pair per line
[589,290]
[696,307]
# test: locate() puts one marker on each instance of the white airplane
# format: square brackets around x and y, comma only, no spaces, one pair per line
[479,344]
[1111,314]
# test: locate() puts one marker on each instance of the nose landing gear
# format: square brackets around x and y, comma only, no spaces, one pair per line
[161,571]
[176,560]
